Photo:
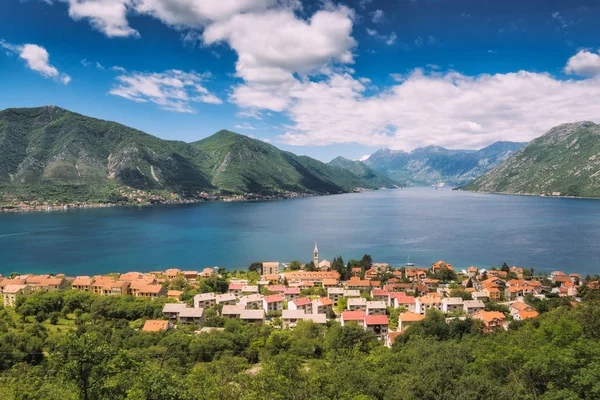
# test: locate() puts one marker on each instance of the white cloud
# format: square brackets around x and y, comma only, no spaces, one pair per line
[118,68]
[584,63]
[107,16]
[85,62]
[172,90]
[561,20]
[99,66]
[419,41]
[37,59]
[365,157]
[389,39]
[377,16]
[448,109]
[245,126]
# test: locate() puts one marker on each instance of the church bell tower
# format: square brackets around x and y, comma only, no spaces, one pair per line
[316,256]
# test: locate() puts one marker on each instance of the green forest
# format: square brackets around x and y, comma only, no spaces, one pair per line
[75,345]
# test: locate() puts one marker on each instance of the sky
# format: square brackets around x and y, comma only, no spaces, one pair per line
[319,78]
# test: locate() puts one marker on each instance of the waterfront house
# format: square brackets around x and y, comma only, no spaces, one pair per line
[270,268]
[205,300]
[11,292]
[438,266]
[153,291]
[273,303]
[82,283]
[190,275]
[407,319]
[172,273]
[472,272]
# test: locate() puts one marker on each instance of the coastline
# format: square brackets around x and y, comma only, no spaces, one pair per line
[550,196]
[246,197]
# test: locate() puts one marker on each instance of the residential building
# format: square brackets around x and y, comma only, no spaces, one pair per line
[291,293]
[472,306]
[452,304]
[376,308]
[381,295]
[189,315]
[251,302]
[172,310]
[357,303]
[353,316]
[205,300]
[11,292]
[407,319]
[226,299]
[231,311]
[378,324]
[400,299]
[323,305]
[82,283]
[302,304]
[523,315]
[273,303]
[424,303]
[290,318]
[153,325]
[335,294]
[492,320]
[518,306]
[270,268]
[153,291]
[253,316]
[236,288]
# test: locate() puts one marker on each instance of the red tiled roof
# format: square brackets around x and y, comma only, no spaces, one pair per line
[153,325]
[377,320]
[274,298]
[303,301]
[353,315]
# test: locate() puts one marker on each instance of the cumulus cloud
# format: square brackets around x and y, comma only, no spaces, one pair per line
[448,109]
[584,63]
[37,59]
[172,90]
[387,39]
[107,16]
[377,16]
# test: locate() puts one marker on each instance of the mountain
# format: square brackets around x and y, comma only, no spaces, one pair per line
[362,170]
[49,153]
[435,165]
[237,163]
[564,161]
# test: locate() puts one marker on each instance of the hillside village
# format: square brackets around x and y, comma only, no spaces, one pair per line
[381,299]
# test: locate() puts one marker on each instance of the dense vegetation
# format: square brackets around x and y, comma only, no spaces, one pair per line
[564,161]
[433,165]
[49,153]
[72,345]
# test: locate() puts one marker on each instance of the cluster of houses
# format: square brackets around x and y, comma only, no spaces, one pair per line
[149,285]
[365,298]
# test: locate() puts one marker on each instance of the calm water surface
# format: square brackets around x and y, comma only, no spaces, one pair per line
[392,225]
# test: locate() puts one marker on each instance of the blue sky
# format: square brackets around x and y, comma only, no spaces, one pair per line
[318,78]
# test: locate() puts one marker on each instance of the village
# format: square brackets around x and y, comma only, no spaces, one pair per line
[381,299]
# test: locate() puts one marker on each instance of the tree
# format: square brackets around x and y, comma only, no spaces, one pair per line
[505,268]
[295,265]
[310,266]
[366,262]
[255,267]
[87,361]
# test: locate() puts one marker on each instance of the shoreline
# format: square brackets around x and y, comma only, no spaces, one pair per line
[245,198]
[529,194]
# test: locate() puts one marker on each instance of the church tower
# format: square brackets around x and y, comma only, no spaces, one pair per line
[316,256]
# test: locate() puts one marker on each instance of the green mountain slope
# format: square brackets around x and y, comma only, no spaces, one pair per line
[49,153]
[363,171]
[565,161]
[237,163]
[435,165]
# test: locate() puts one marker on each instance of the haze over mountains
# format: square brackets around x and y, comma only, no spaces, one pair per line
[564,161]
[434,165]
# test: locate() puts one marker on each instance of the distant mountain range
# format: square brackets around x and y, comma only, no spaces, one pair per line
[564,161]
[54,154]
[363,171]
[434,165]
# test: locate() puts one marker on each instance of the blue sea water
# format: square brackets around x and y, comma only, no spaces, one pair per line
[422,224]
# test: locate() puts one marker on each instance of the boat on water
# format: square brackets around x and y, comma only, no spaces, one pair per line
[408,263]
